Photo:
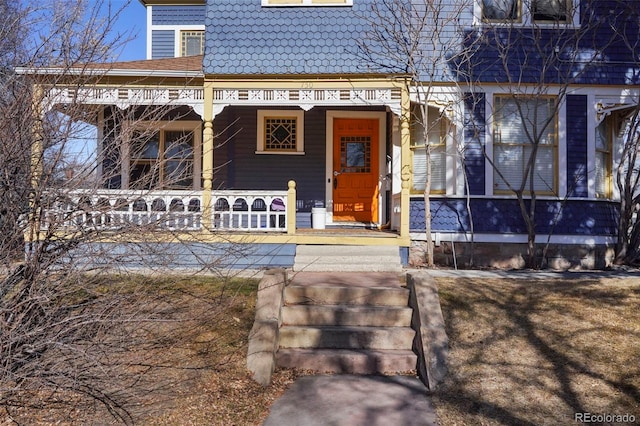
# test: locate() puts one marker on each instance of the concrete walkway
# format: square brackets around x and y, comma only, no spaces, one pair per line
[353,401]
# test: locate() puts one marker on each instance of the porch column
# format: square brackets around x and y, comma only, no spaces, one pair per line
[207,157]
[36,167]
[405,165]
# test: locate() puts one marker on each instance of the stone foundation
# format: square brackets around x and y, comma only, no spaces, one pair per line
[559,257]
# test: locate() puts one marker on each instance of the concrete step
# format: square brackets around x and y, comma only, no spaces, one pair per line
[352,361]
[374,316]
[347,258]
[346,337]
[341,295]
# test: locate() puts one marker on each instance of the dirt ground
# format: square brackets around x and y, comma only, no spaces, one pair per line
[525,352]
[540,352]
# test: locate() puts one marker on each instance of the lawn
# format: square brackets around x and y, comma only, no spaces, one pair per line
[525,352]
[538,351]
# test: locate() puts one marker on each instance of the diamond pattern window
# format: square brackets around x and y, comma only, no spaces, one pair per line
[280,132]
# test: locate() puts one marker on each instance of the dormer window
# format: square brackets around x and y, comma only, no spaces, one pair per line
[192,43]
[307,2]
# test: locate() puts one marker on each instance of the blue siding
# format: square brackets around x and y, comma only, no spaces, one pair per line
[162,44]
[597,52]
[244,37]
[575,217]
[474,136]
[189,256]
[577,183]
[178,15]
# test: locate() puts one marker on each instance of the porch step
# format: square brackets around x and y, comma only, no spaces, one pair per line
[348,361]
[389,316]
[347,258]
[347,322]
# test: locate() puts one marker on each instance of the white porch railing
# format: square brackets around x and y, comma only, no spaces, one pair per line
[104,209]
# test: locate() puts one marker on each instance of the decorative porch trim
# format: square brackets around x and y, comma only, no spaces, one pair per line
[125,97]
[307,98]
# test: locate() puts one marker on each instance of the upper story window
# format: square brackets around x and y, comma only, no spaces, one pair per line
[521,11]
[307,2]
[192,43]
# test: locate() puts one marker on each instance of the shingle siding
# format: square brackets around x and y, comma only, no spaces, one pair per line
[502,216]
[178,15]
[244,37]
[577,183]
[162,44]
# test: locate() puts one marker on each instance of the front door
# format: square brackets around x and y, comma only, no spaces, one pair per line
[355,170]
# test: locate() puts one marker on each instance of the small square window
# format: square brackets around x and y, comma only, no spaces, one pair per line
[280,132]
[192,43]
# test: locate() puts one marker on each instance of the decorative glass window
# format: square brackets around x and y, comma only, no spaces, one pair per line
[307,2]
[280,132]
[437,132]
[501,10]
[520,124]
[192,43]
[603,159]
[162,160]
[355,154]
[550,10]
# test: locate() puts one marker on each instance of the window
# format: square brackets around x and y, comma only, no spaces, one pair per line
[519,123]
[162,160]
[437,131]
[603,159]
[500,10]
[192,43]
[280,132]
[307,2]
[550,10]
[526,12]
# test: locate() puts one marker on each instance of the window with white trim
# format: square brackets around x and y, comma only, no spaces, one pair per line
[280,132]
[604,138]
[192,43]
[307,2]
[533,11]
[521,124]
[437,132]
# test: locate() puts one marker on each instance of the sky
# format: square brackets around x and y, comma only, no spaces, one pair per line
[132,22]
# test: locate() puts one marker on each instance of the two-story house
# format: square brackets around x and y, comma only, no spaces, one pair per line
[287,122]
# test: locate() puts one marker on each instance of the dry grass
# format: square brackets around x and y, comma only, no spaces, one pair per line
[534,352]
[191,369]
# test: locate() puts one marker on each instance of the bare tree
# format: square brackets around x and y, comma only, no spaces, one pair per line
[535,64]
[77,329]
[421,40]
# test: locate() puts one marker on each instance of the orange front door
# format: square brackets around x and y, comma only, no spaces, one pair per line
[355,169]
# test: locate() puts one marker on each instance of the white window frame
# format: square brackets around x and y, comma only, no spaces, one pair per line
[289,3]
[555,150]
[417,134]
[525,18]
[263,114]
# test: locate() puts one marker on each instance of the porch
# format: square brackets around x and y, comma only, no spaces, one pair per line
[249,216]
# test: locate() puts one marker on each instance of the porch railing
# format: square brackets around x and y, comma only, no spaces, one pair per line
[169,210]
